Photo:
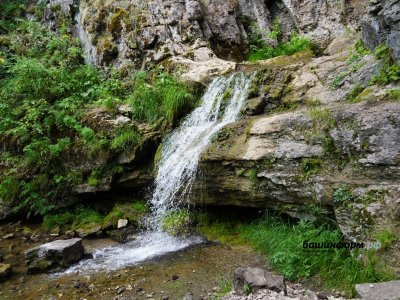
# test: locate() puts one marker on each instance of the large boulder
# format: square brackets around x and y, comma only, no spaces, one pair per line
[54,256]
[385,290]
[256,279]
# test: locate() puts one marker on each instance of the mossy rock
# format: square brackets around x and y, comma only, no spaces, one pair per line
[133,212]
[178,223]
[89,230]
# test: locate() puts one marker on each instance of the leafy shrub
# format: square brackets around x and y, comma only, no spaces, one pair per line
[45,94]
[165,98]
[390,70]
[296,44]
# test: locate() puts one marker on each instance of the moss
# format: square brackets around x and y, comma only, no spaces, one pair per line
[311,166]
[355,93]
[134,212]
[177,223]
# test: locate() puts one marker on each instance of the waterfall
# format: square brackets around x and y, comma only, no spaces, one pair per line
[89,51]
[221,105]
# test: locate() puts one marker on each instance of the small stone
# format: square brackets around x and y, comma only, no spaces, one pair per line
[122,223]
[8,236]
[120,290]
[174,277]
[129,287]
[188,296]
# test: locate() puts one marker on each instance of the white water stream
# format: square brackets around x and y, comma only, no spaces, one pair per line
[221,105]
[89,51]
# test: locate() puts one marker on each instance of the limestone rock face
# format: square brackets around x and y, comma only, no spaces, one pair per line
[386,290]
[54,256]
[139,33]
[382,26]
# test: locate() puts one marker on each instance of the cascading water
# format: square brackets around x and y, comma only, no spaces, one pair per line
[89,51]
[181,152]
[177,168]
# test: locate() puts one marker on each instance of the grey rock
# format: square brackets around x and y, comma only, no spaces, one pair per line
[188,296]
[382,26]
[257,279]
[54,256]
[389,290]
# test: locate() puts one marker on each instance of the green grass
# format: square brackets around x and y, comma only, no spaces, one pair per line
[337,268]
[224,287]
[296,44]
[165,99]
[393,95]
[126,138]
[386,237]
[390,70]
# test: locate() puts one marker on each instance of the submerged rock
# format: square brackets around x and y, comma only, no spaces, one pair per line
[256,279]
[389,290]
[54,256]
[5,271]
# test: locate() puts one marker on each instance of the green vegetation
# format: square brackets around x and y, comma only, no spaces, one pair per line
[342,194]
[83,216]
[177,222]
[393,95]
[386,237]
[50,103]
[224,288]
[355,92]
[72,219]
[130,211]
[390,71]
[260,48]
[336,267]
[311,166]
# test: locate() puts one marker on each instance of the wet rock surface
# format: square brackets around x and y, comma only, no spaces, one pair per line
[54,256]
